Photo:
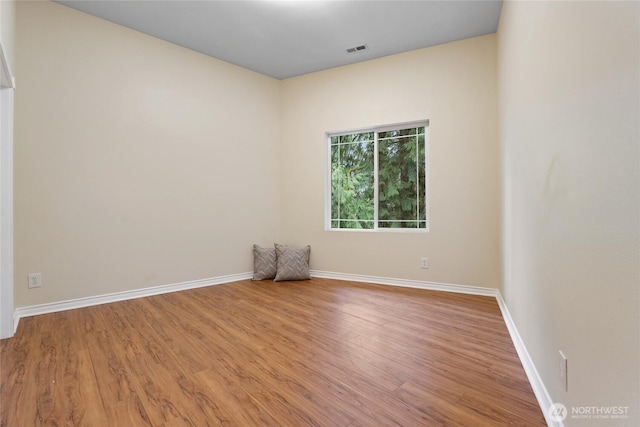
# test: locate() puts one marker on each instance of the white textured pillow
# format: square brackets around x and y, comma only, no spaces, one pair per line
[264,263]
[293,263]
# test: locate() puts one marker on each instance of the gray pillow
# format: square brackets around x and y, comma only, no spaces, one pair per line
[264,263]
[293,263]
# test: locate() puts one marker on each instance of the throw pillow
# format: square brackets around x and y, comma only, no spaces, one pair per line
[264,263]
[293,263]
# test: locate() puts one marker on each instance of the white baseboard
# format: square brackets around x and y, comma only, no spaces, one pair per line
[542,395]
[121,296]
[540,391]
[434,286]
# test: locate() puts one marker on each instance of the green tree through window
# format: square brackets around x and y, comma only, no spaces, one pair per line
[378,179]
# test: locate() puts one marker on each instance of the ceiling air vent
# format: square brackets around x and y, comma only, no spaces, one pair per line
[357,48]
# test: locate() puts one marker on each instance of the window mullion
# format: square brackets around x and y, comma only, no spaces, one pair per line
[417,179]
[339,187]
[375,180]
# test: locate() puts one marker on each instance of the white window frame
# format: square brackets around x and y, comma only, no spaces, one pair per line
[376,130]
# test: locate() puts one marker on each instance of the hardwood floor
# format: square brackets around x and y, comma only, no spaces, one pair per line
[311,353]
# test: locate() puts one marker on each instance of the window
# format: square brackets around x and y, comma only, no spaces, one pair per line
[378,178]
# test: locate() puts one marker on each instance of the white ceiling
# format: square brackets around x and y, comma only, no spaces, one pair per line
[289,38]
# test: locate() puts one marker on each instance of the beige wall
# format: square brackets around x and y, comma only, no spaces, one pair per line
[452,85]
[569,109]
[137,162]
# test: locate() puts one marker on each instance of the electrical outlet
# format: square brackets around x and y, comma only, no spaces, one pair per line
[424,262]
[35,280]
[563,372]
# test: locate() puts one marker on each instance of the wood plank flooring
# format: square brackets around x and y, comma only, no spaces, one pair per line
[310,353]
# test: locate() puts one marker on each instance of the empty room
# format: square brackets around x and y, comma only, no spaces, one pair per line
[319,213]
